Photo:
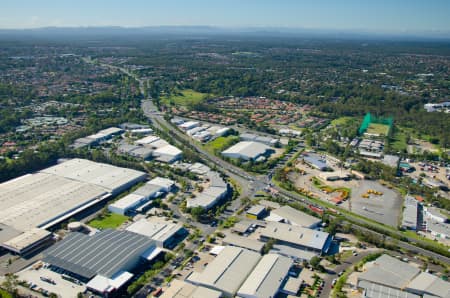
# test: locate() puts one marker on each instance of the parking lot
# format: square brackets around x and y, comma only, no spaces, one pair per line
[60,285]
[383,208]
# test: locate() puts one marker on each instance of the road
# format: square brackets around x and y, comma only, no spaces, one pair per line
[341,267]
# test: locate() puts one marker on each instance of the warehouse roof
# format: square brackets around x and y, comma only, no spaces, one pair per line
[105,253]
[249,150]
[373,290]
[410,212]
[430,284]
[389,271]
[228,270]
[315,160]
[244,242]
[131,199]
[147,140]
[148,190]
[27,239]
[34,199]
[156,230]
[294,217]
[181,289]
[168,150]
[297,235]
[256,210]
[267,277]
[103,175]
[162,182]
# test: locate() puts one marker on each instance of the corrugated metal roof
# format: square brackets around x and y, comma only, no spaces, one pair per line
[104,253]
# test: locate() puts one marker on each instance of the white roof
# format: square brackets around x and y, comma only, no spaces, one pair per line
[228,270]
[156,230]
[128,201]
[163,182]
[430,284]
[26,239]
[267,277]
[34,199]
[244,242]
[103,175]
[147,140]
[189,124]
[296,234]
[167,150]
[181,289]
[110,131]
[248,149]
[104,284]
[294,217]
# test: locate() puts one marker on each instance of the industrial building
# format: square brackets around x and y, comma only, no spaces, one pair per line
[287,214]
[181,289]
[266,278]
[434,214]
[228,271]
[98,138]
[249,137]
[210,196]
[316,161]
[248,151]
[168,154]
[50,196]
[412,214]
[243,242]
[135,151]
[256,212]
[188,125]
[296,237]
[103,260]
[390,275]
[138,200]
[165,234]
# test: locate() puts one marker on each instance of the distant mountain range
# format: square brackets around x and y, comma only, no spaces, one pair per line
[208,31]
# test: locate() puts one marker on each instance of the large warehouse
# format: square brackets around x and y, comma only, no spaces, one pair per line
[228,271]
[248,151]
[289,215]
[165,233]
[297,237]
[103,259]
[45,198]
[267,278]
[390,275]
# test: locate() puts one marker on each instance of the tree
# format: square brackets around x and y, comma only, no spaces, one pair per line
[314,262]
[197,212]
[10,284]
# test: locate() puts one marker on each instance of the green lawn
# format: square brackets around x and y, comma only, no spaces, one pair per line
[399,141]
[5,294]
[377,128]
[221,143]
[184,98]
[110,221]
[341,121]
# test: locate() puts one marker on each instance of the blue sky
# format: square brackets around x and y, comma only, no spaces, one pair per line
[370,15]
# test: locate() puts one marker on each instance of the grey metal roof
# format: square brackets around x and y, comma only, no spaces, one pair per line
[315,160]
[104,253]
[410,213]
[378,291]
[295,217]
[389,271]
